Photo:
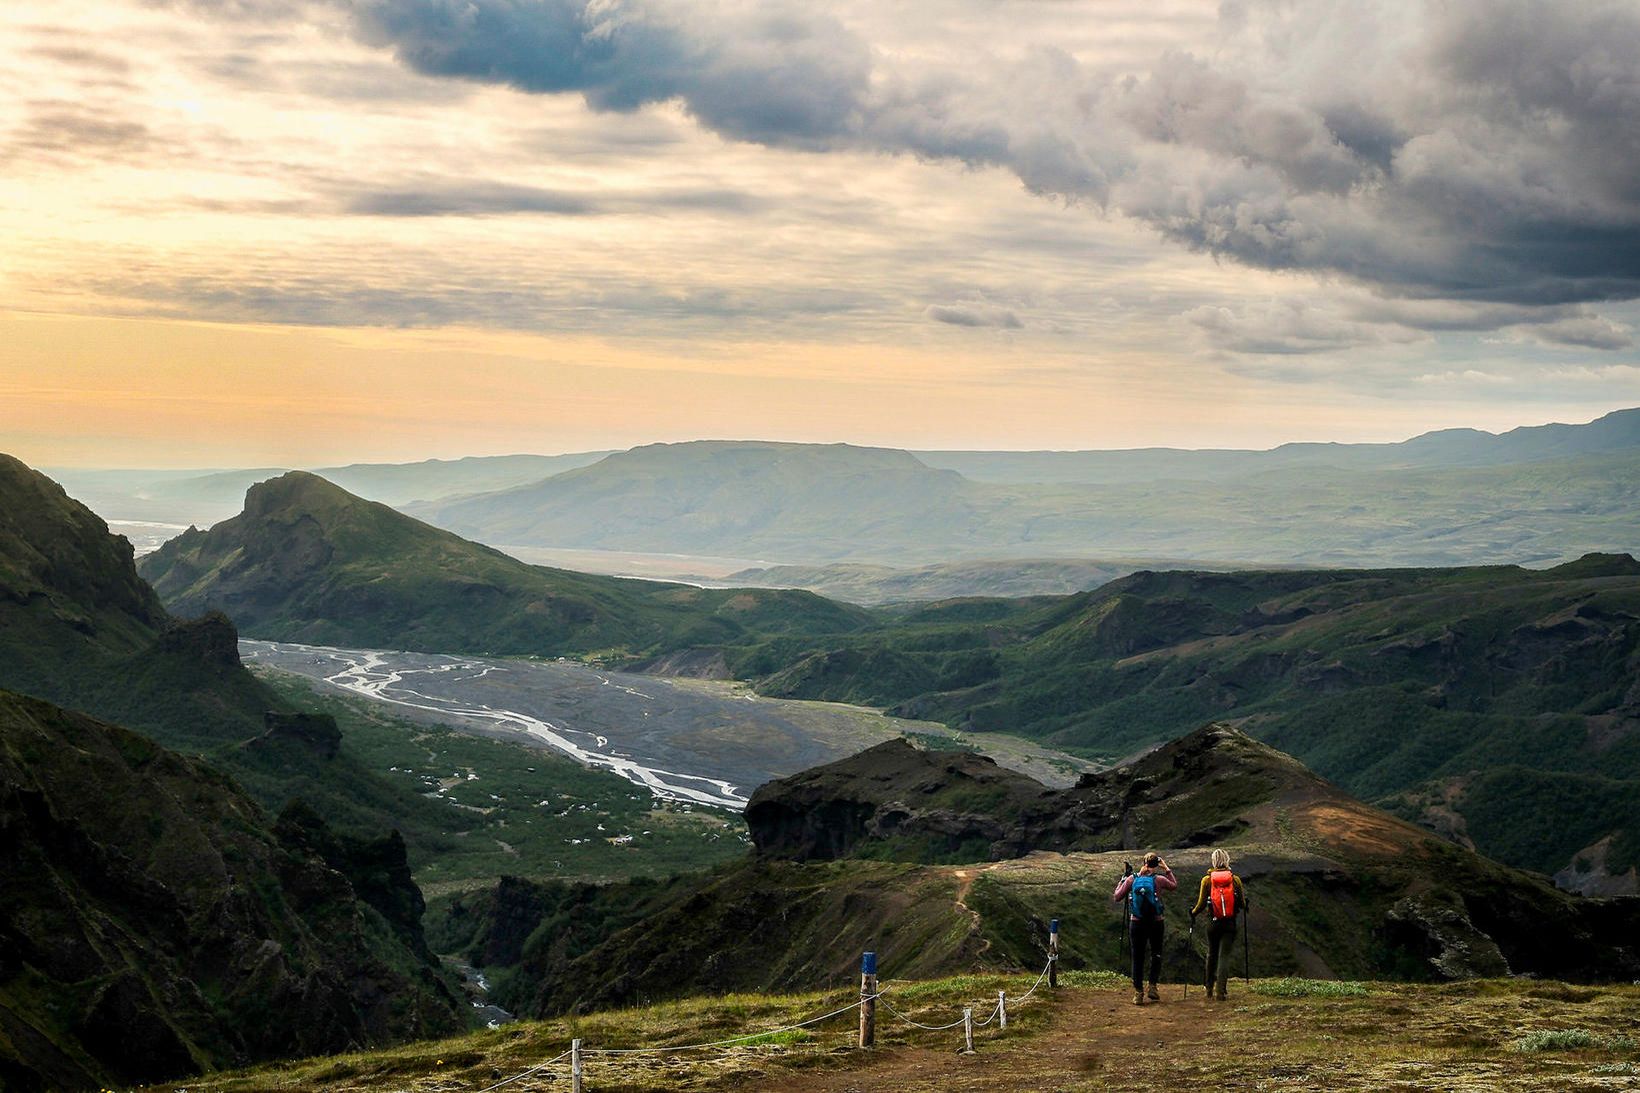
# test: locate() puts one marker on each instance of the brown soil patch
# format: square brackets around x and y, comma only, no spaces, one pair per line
[1096,1039]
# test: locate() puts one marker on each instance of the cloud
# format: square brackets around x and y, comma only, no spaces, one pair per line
[1583,332]
[61,132]
[1297,325]
[1291,326]
[467,199]
[974,315]
[749,71]
[1474,152]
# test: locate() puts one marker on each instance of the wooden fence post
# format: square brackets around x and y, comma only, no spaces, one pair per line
[1002,1009]
[868,999]
[575,1066]
[1053,952]
[968,1030]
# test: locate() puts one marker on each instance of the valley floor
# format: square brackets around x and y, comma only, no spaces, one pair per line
[1272,1034]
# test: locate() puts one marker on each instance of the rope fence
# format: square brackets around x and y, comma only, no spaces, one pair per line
[866,1005]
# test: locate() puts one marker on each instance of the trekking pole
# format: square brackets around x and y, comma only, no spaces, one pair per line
[1190,951]
[1246,961]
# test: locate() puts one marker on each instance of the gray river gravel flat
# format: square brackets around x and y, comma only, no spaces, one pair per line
[707,742]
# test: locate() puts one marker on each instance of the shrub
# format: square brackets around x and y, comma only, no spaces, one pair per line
[1557,1039]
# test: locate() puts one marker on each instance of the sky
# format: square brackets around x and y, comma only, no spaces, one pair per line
[280,232]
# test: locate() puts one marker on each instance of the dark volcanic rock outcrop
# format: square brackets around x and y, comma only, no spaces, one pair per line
[955,805]
[151,925]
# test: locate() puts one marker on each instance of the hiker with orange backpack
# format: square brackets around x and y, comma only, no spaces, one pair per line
[1142,891]
[1224,897]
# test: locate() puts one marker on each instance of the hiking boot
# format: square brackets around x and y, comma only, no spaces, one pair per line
[1138,998]
[1154,995]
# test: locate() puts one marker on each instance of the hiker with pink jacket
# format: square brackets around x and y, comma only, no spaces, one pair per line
[1142,891]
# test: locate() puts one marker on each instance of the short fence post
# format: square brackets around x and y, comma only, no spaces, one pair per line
[968,1030]
[868,999]
[1002,1009]
[1053,953]
[575,1066]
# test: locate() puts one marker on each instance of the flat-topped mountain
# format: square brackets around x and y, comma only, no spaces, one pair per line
[308,561]
[745,499]
[153,918]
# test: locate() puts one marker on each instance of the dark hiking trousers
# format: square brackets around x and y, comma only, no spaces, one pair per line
[1221,946]
[1146,934]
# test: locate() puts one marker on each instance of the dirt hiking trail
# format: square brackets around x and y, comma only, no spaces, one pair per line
[1096,1039]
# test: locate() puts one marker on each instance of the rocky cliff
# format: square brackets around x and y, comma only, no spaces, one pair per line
[153,923]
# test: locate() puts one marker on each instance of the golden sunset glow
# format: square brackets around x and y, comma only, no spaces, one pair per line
[249,237]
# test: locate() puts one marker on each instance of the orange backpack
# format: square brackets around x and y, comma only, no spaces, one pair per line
[1221,898]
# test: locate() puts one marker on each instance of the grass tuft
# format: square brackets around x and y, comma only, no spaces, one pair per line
[1308,988]
[1571,1039]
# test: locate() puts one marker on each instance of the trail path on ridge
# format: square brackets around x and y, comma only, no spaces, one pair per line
[1096,1039]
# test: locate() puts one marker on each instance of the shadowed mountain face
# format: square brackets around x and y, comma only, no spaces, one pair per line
[307,561]
[152,916]
[1336,888]
[151,920]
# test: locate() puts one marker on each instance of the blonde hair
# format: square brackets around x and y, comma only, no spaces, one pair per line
[1221,859]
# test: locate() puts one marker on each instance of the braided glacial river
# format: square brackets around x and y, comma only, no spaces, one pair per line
[711,743]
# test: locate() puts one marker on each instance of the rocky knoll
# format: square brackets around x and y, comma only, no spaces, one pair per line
[153,924]
[1395,894]
[933,806]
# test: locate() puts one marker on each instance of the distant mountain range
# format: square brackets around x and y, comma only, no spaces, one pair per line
[1496,703]
[203,497]
[1534,495]
[823,504]
[1617,432]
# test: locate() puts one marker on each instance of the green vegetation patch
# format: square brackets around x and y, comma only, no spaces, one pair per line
[1292,987]
[1571,1039]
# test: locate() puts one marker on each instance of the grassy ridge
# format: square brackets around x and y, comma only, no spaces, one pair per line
[1464,1037]
[307,561]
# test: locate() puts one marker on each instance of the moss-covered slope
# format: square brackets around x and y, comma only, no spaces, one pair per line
[153,924]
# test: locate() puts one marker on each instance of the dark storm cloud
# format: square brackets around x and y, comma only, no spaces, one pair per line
[1485,152]
[1475,153]
[752,72]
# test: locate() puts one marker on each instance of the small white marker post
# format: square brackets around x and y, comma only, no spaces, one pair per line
[1002,1009]
[575,1066]
[968,1030]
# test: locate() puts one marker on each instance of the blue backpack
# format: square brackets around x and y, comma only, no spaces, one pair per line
[1142,901]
